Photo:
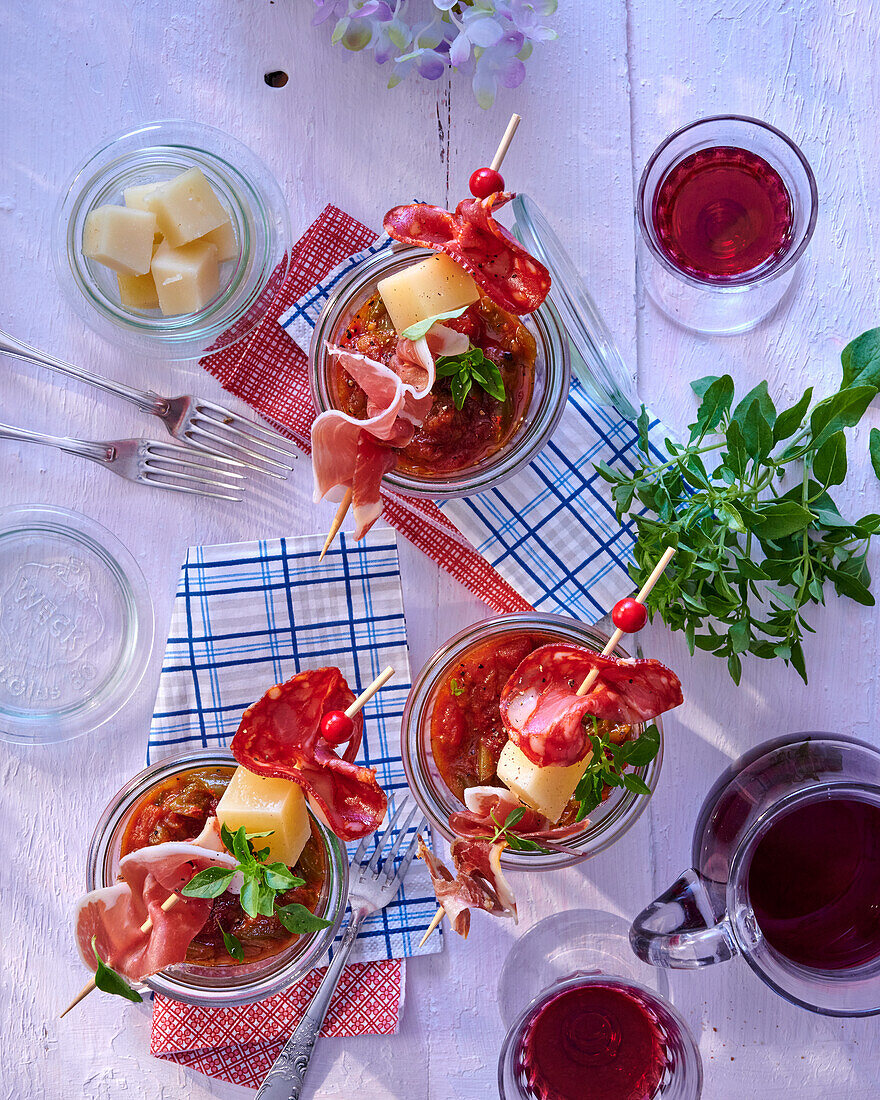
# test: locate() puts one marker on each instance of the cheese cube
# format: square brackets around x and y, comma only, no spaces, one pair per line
[262,803]
[432,286]
[187,278]
[186,208]
[223,237]
[546,789]
[120,238]
[136,197]
[138,291]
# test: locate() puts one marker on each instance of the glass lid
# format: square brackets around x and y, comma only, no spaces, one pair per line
[595,358]
[76,624]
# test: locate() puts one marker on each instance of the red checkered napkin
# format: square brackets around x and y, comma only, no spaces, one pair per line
[240,1044]
[268,370]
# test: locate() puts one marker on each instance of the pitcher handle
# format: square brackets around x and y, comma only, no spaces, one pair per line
[680,930]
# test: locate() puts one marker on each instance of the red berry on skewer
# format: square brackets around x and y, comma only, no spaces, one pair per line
[629,615]
[485,182]
[336,727]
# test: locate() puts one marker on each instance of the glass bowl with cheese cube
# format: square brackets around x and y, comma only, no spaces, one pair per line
[171,239]
[493,405]
[235,958]
[457,753]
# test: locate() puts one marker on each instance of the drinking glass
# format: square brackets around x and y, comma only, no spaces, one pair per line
[726,206]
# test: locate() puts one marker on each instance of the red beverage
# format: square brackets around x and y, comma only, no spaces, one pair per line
[814,884]
[593,1042]
[721,212]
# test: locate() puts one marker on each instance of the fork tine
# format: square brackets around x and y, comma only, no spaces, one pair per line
[267,436]
[408,855]
[373,865]
[360,851]
[209,448]
[252,440]
[183,456]
[235,448]
[388,865]
[150,479]
[190,479]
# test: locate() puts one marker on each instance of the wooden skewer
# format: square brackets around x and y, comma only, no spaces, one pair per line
[589,680]
[365,696]
[501,151]
[614,640]
[338,520]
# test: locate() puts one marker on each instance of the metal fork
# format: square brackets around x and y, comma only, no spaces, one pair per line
[164,465]
[205,425]
[371,886]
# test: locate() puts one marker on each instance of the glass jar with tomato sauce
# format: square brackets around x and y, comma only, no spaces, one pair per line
[164,803]
[434,719]
[456,453]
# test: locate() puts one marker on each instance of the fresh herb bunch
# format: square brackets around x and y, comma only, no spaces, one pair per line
[753,552]
[262,883]
[469,367]
[511,839]
[607,763]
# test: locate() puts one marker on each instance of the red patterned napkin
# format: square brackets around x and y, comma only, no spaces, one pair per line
[268,370]
[240,1044]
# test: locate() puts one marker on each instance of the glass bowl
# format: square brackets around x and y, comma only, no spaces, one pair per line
[76,624]
[552,377]
[607,823]
[220,986]
[244,186]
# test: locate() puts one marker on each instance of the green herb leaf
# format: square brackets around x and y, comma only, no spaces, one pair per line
[716,402]
[455,687]
[788,421]
[634,784]
[299,920]
[874,448]
[829,462]
[461,387]
[778,520]
[257,899]
[861,361]
[469,367]
[421,328]
[108,981]
[841,410]
[645,747]
[279,877]
[210,883]
[233,945]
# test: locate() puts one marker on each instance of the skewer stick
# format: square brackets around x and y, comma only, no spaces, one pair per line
[614,640]
[365,696]
[338,520]
[501,151]
[167,904]
[438,916]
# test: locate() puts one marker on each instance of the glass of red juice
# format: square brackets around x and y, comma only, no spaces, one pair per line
[726,207]
[786,874]
[587,1019]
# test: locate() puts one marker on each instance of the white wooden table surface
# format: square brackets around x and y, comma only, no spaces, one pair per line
[594,104]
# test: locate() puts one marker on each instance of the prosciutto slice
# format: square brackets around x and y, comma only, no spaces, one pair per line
[115,914]
[544,715]
[489,807]
[499,264]
[478,884]
[280,735]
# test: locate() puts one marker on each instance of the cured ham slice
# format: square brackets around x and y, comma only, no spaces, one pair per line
[114,915]
[280,735]
[489,807]
[497,261]
[478,884]
[544,715]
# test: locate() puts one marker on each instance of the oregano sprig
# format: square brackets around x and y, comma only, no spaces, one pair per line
[607,764]
[746,501]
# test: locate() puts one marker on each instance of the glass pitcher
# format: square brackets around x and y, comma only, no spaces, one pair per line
[786,873]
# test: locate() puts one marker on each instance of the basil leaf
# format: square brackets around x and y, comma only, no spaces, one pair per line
[643,750]
[778,520]
[420,328]
[108,981]
[760,397]
[840,410]
[861,361]
[461,387]
[874,449]
[490,379]
[227,836]
[636,785]
[210,883]
[280,877]
[514,816]
[299,920]
[788,421]
[446,367]
[233,945]
[241,849]
[715,404]
[829,462]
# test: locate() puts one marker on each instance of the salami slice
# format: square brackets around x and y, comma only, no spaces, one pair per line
[280,735]
[499,264]
[544,715]
[478,884]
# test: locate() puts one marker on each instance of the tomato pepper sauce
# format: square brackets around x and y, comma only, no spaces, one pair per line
[450,439]
[176,810]
[467,734]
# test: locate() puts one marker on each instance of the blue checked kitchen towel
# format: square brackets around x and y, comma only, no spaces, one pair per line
[250,615]
[550,530]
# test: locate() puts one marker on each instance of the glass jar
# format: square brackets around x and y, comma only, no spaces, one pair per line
[607,823]
[220,986]
[245,188]
[549,394]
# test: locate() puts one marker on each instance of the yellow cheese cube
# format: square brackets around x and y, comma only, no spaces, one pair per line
[186,208]
[432,286]
[261,803]
[136,197]
[224,239]
[120,238]
[187,278]
[138,291]
[546,789]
